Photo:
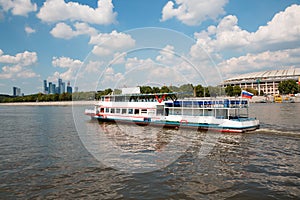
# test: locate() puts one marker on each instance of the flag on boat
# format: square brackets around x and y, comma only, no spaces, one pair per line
[246,94]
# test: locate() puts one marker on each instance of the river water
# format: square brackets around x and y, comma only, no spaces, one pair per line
[43,155]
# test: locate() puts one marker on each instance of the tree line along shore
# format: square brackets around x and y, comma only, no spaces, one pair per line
[186,90]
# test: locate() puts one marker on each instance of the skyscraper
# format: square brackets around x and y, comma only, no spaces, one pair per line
[59,86]
[63,88]
[53,89]
[45,87]
[16,91]
[50,88]
[69,88]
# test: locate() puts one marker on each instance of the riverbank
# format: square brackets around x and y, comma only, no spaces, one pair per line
[50,103]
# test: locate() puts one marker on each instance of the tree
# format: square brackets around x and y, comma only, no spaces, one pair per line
[288,87]
[201,91]
[229,91]
[146,89]
[165,89]
[237,90]
[216,91]
[252,90]
[155,90]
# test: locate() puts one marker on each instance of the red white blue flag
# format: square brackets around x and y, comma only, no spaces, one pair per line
[246,94]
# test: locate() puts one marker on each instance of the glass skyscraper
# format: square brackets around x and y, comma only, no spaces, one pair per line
[59,89]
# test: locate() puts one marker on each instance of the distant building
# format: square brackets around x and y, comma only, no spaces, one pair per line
[76,89]
[69,89]
[266,81]
[63,87]
[60,88]
[16,92]
[50,88]
[45,87]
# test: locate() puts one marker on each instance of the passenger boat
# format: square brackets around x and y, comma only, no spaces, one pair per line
[217,114]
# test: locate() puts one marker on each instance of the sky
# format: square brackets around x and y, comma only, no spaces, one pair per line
[126,43]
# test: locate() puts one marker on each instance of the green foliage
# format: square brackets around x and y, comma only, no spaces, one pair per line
[165,89]
[216,91]
[146,89]
[252,90]
[155,90]
[83,96]
[150,90]
[237,90]
[233,91]
[201,91]
[288,87]
[117,91]
[229,91]
[186,90]
[38,98]
[102,93]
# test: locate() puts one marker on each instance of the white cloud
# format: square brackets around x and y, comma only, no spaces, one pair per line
[94,67]
[271,46]
[166,55]
[193,12]
[27,74]
[65,62]
[228,36]
[29,30]
[147,71]
[18,7]
[284,27]
[119,58]
[101,51]
[261,61]
[132,63]
[24,59]
[62,30]
[72,66]
[59,10]
[111,43]
[18,65]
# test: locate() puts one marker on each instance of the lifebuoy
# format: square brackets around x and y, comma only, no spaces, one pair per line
[183,121]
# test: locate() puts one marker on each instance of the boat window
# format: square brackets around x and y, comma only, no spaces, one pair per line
[124,110]
[159,110]
[177,103]
[169,104]
[118,110]
[107,110]
[221,113]
[187,103]
[136,111]
[102,110]
[130,111]
[144,111]
[166,111]
[112,110]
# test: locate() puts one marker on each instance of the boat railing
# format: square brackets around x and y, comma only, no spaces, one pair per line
[194,104]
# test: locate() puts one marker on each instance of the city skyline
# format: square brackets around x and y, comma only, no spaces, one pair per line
[37,42]
[61,88]
[49,88]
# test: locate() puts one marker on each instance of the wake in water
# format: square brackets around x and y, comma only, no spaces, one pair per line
[278,131]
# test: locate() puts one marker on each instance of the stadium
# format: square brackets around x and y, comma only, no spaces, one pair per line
[266,81]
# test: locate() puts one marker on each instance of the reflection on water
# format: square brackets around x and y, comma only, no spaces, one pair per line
[42,156]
